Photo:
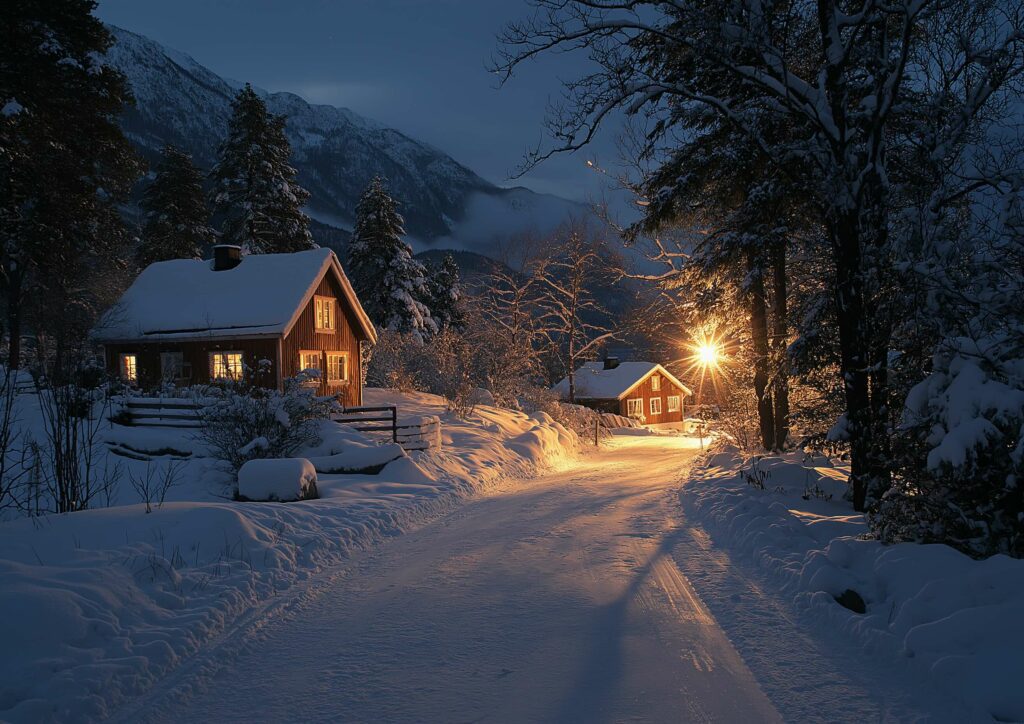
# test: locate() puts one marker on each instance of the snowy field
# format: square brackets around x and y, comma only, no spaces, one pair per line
[97,605]
[932,616]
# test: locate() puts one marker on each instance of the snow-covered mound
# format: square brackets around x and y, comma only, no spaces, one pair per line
[97,605]
[281,480]
[954,619]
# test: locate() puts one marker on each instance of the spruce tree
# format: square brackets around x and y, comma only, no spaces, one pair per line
[254,184]
[445,294]
[176,218]
[65,166]
[390,283]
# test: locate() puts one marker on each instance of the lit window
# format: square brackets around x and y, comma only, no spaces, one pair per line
[326,320]
[337,368]
[226,365]
[656,383]
[655,405]
[310,364]
[673,403]
[171,365]
[635,407]
[129,368]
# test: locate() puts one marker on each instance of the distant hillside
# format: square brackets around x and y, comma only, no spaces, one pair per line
[337,152]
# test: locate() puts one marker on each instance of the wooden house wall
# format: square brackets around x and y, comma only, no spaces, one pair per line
[343,339]
[196,353]
[645,391]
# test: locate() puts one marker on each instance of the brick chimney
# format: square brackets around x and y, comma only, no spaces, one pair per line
[226,256]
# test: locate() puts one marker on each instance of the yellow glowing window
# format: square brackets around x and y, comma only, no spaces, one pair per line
[129,368]
[673,403]
[655,405]
[635,407]
[226,365]
[656,383]
[337,368]
[326,316]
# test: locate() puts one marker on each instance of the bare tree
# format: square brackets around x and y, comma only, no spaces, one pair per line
[153,486]
[842,72]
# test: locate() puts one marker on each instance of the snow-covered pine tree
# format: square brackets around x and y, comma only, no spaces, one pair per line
[445,294]
[176,221]
[391,284]
[254,184]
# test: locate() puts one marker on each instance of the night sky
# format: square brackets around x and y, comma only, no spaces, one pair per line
[416,65]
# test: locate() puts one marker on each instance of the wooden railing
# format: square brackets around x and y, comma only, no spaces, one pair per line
[371,419]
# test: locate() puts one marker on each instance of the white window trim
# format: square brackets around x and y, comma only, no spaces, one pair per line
[653,411]
[675,400]
[123,367]
[319,303]
[344,368]
[635,407]
[656,383]
[306,353]
[227,368]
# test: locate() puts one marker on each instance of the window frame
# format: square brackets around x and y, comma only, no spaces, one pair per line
[123,368]
[656,383]
[225,353]
[321,303]
[180,368]
[344,378]
[638,403]
[307,355]
[654,412]
[678,403]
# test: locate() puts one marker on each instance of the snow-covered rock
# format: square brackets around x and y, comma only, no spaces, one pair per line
[277,479]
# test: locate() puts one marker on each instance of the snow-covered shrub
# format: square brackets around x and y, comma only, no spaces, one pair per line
[244,422]
[280,480]
[961,478]
[392,362]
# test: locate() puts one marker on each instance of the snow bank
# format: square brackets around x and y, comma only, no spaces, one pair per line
[955,619]
[97,606]
[282,480]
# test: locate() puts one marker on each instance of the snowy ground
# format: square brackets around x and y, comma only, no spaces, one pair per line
[580,596]
[935,619]
[97,606]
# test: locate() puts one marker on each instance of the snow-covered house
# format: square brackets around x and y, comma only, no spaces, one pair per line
[190,321]
[645,391]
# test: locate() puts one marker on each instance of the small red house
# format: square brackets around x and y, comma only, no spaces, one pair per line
[189,321]
[644,391]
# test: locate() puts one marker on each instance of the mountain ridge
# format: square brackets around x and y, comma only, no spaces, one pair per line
[336,152]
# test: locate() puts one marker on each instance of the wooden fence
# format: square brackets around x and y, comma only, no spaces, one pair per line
[412,434]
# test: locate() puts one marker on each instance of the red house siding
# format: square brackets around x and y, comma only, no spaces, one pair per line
[645,391]
[304,337]
[197,355]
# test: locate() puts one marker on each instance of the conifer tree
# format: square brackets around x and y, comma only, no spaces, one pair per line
[65,166]
[254,184]
[176,216]
[390,283]
[445,294]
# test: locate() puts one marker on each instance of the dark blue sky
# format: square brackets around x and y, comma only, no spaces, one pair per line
[416,65]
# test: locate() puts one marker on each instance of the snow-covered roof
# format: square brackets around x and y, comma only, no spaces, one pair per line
[594,382]
[186,298]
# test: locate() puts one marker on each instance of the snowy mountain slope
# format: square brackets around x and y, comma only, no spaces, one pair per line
[179,101]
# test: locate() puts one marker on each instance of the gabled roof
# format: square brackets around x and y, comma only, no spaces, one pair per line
[262,296]
[594,382]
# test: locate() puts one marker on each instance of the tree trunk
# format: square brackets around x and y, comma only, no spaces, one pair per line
[759,338]
[13,278]
[780,332]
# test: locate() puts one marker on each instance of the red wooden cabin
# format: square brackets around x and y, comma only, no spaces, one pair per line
[644,391]
[189,321]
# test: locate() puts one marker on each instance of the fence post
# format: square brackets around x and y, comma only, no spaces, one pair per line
[597,430]
[394,423]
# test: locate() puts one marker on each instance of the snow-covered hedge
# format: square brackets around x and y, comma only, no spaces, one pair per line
[279,479]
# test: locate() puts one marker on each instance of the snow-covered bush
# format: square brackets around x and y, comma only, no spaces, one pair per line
[243,422]
[280,480]
[961,480]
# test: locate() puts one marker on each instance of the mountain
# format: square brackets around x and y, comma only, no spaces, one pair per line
[336,152]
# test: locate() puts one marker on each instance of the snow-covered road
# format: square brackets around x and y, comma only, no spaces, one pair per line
[555,599]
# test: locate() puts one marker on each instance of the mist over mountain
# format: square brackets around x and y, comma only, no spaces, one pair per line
[336,152]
